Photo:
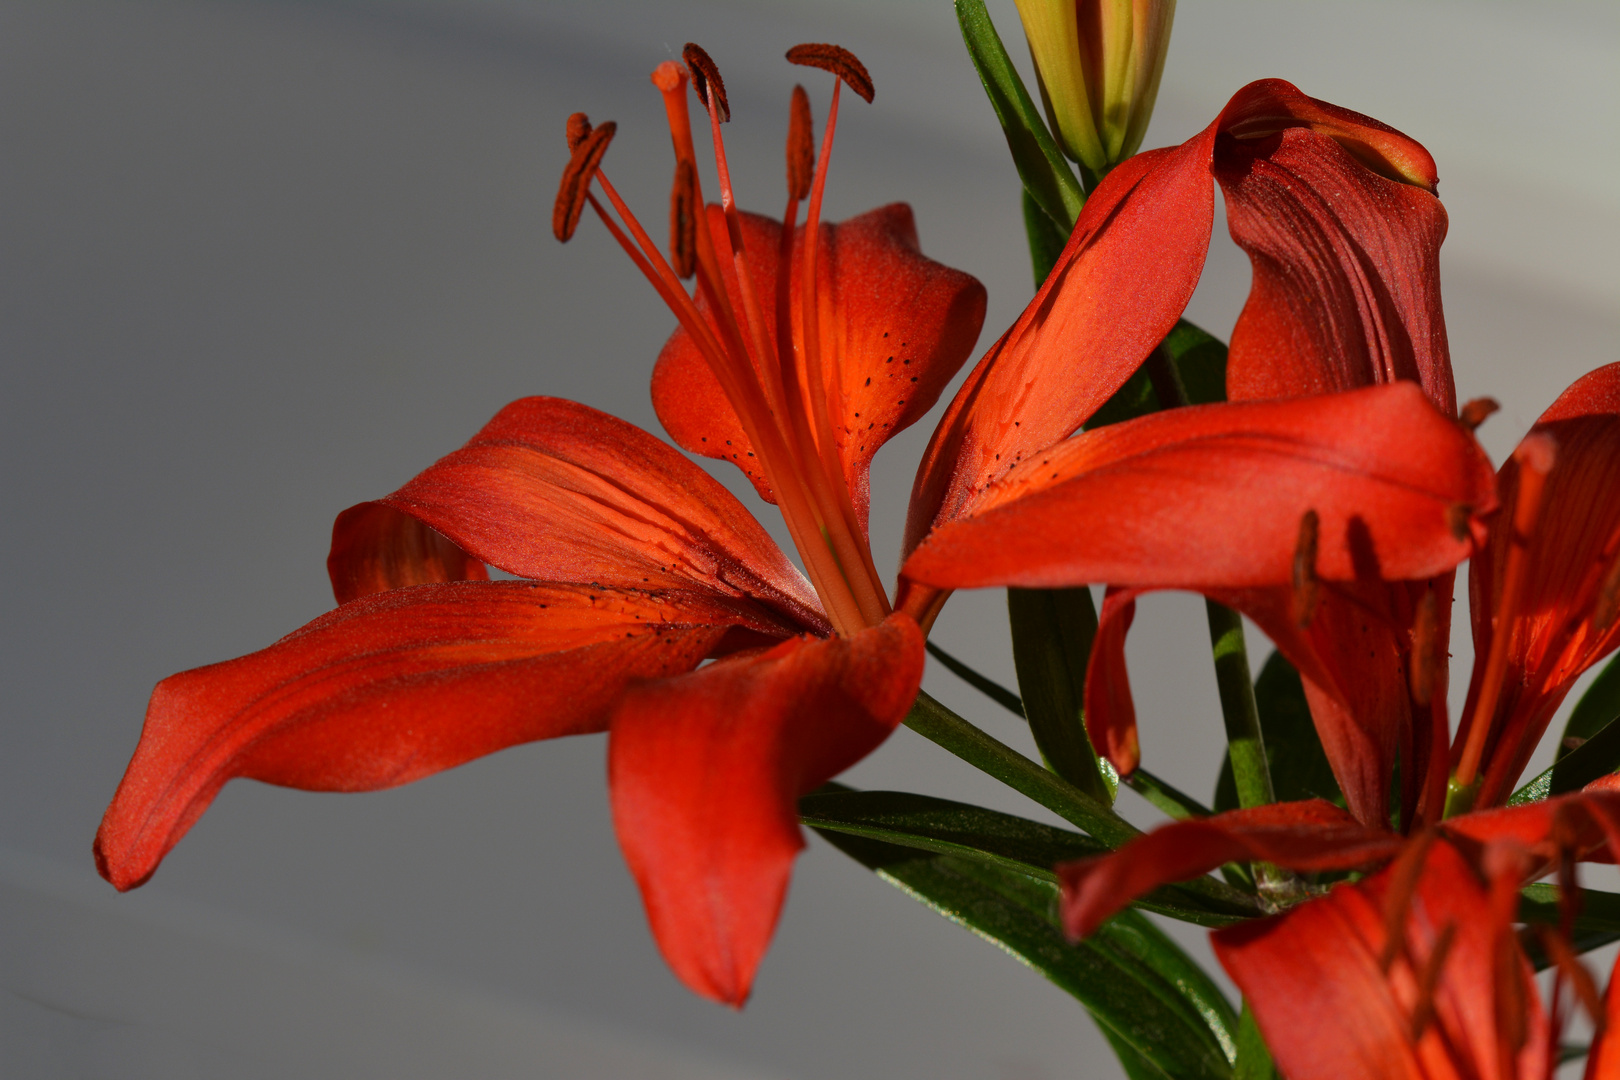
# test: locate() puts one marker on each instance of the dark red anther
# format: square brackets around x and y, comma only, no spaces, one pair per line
[1306,584]
[1474,413]
[576,180]
[801,147]
[706,79]
[579,126]
[840,61]
[1424,632]
[683,220]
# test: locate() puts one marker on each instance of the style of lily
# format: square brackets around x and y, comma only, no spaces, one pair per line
[1544,600]
[801,349]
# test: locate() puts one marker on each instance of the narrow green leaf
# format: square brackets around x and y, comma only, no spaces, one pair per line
[1041,165]
[1046,239]
[1253,1056]
[1171,800]
[1597,925]
[1052,631]
[1599,705]
[1245,742]
[983,684]
[1299,765]
[1200,364]
[1598,756]
[989,836]
[1116,974]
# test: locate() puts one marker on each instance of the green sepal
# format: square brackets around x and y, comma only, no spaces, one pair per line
[1200,361]
[1143,991]
[1041,165]
[1005,841]
[1299,765]
[1052,632]
[1599,705]
[1597,925]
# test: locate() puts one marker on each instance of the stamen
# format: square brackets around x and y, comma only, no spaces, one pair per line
[1608,600]
[1534,456]
[1474,413]
[1570,967]
[840,61]
[1403,881]
[706,79]
[1421,671]
[1306,594]
[683,220]
[576,178]
[1429,980]
[801,148]
[579,126]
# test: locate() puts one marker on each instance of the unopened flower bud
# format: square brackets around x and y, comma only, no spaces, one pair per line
[1099,63]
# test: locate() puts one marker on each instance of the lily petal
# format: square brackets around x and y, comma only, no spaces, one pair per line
[705,772]
[1568,615]
[1212,497]
[1329,1007]
[1310,836]
[895,327]
[557,491]
[1603,1061]
[376,548]
[395,686]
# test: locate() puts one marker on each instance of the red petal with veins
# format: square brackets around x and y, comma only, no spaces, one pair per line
[395,686]
[1211,497]
[895,326]
[1137,252]
[376,548]
[1585,823]
[706,770]
[555,490]
[1330,1011]
[1572,583]
[1310,836]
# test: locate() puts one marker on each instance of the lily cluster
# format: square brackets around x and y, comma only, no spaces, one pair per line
[1331,499]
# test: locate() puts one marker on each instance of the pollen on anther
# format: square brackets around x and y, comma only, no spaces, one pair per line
[801,147]
[706,79]
[840,61]
[683,219]
[576,180]
[579,126]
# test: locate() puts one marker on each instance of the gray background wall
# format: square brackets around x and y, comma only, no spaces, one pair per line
[262,260]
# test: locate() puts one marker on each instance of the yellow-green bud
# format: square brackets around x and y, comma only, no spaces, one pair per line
[1099,63]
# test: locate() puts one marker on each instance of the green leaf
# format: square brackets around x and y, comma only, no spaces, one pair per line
[1299,765]
[1171,800]
[1253,1056]
[1599,705]
[1200,362]
[983,684]
[1142,990]
[1596,926]
[1052,631]
[1041,165]
[1001,840]
[1597,756]
[1046,239]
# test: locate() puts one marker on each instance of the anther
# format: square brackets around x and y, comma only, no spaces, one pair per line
[1403,882]
[1429,980]
[683,220]
[801,147]
[576,180]
[1306,584]
[840,61]
[1474,413]
[1421,670]
[579,126]
[706,79]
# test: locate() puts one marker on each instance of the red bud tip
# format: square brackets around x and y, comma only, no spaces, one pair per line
[801,146]
[579,126]
[1305,580]
[841,62]
[706,79]
[1421,671]
[1474,413]
[668,76]
[683,220]
[576,179]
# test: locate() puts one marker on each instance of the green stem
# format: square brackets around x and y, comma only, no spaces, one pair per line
[982,683]
[988,754]
[1242,716]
